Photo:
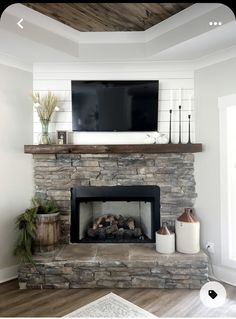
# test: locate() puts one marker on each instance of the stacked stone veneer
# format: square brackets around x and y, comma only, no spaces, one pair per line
[129,266]
[140,271]
[55,175]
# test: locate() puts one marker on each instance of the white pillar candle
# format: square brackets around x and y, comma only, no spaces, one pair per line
[180,96]
[171,99]
[190,104]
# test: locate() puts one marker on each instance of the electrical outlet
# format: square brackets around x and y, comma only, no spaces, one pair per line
[210,247]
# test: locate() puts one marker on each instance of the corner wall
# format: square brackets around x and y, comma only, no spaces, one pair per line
[16,187]
[210,83]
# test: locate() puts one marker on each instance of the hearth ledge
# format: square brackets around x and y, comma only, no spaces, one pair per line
[114,266]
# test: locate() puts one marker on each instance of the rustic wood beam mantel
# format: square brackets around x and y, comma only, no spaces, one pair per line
[112,149]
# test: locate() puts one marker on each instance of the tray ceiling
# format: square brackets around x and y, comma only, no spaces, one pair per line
[100,17]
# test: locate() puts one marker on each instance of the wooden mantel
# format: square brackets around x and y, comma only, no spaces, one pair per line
[112,149]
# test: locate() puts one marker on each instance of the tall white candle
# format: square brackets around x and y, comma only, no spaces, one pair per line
[190,104]
[180,96]
[171,99]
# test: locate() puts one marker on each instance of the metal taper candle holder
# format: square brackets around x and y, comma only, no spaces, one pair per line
[189,138]
[179,124]
[170,128]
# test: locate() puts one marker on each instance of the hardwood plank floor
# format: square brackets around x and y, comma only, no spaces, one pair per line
[59,302]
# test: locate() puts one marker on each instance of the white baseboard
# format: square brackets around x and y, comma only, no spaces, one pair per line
[8,273]
[224,274]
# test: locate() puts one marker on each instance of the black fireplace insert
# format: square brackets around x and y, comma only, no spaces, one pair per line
[115,214]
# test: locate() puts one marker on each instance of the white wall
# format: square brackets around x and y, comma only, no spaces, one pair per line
[15,167]
[57,78]
[210,83]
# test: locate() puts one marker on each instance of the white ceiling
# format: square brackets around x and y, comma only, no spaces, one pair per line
[185,36]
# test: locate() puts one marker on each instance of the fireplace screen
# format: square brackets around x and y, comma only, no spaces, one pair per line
[115,214]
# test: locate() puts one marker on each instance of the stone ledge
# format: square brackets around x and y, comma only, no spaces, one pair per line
[115,266]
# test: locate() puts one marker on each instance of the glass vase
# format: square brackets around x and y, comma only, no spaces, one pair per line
[45,139]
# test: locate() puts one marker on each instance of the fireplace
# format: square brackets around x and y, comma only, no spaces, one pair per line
[56,174]
[92,185]
[115,214]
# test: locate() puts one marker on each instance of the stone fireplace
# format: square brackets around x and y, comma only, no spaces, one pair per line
[56,174]
[138,190]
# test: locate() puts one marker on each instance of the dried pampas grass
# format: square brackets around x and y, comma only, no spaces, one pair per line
[45,105]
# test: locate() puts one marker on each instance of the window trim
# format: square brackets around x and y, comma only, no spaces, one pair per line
[224,103]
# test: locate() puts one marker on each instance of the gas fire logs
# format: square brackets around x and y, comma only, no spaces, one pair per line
[114,226]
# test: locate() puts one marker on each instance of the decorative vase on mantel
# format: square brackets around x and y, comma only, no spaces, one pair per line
[44,138]
[45,106]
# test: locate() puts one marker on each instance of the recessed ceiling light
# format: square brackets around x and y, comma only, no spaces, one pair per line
[215,23]
[220,23]
[210,23]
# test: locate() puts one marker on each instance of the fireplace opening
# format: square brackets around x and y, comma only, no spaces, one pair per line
[115,221]
[115,214]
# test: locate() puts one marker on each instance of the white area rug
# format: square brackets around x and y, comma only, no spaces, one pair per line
[110,306]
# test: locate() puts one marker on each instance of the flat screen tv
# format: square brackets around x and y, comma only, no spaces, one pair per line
[114,106]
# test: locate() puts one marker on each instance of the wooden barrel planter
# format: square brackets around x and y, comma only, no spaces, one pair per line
[47,232]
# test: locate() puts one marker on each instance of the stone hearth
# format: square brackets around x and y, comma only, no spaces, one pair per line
[56,174]
[114,266]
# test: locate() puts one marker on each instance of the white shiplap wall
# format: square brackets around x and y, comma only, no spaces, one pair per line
[57,78]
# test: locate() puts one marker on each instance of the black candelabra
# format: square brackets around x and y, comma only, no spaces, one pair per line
[180,127]
[189,123]
[170,128]
[179,124]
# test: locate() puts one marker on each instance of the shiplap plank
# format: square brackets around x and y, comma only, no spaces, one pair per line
[102,75]
[80,138]
[57,117]
[64,84]
[163,116]
[65,95]
[162,127]
[164,105]
[111,75]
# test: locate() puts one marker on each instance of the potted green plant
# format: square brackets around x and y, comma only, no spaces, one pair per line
[38,229]
[26,233]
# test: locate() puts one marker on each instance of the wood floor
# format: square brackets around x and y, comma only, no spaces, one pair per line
[59,302]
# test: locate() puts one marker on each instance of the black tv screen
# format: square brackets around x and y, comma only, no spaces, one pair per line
[114,105]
